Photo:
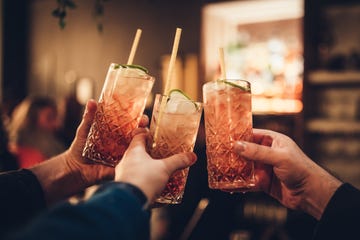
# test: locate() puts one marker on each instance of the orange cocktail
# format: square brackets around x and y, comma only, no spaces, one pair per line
[121,105]
[172,131]
[228,117]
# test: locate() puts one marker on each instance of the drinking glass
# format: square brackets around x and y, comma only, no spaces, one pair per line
[120,108]
[173,132]
[228,118]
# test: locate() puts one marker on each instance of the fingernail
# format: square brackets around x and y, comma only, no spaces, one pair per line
[240,146]
[193,158]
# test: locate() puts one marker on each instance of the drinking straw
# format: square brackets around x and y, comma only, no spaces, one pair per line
[134,46]
[172,61]
[199,210]
[222,63]
[168,81]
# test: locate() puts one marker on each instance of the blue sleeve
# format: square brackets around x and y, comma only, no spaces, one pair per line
[114,212]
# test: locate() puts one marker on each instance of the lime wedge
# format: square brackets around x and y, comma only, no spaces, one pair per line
[233,84]
[179,102]
[132,66]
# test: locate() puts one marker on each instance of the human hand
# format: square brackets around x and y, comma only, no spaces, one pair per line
[69,173]
[287,174]
[150,175]
[91,173]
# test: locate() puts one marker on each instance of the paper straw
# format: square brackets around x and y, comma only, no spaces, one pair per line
[172,61]
[134,46]
[202,205]
[222,63]
[168,82]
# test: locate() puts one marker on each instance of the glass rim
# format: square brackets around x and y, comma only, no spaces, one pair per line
[232,80]
[164,95]
[199,105]
[243,84]
[144,75]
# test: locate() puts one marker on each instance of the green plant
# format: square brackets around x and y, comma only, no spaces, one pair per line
[60,11]
[63,5]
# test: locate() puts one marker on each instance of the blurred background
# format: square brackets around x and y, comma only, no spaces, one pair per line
[302,58]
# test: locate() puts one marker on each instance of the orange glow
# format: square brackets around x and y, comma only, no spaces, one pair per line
[262,105]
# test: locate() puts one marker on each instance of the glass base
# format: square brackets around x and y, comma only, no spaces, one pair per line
[232,187]
[169,200]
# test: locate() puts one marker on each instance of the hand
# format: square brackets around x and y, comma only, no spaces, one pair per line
[150,175]
[287,174]
[69,173]
[91,173]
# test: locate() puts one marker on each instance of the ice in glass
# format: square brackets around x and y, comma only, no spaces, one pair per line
[228,117]
[172,131]
[121,105]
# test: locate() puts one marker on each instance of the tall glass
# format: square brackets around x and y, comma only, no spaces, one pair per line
[228,117]
[121,105]
[176,133]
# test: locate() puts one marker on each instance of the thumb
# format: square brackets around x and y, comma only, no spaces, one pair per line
[87,119]
[256,152]
[179,161]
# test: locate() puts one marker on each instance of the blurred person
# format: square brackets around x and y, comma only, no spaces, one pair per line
[118,209]
[285,172]
[72,111]
[8,160]
[33,131]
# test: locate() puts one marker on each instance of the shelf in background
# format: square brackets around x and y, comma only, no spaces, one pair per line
[334,77]
[331,126]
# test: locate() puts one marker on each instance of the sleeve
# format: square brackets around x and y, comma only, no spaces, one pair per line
[114,212]
[340,219]
[21,198]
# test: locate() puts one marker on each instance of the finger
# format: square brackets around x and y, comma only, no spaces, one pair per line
[256,152]
[144,121]
[138,139]
[180,161]
[265,140]
[87,119]
[139,131]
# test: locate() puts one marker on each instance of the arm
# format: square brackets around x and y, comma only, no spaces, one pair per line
[113,212]
[21,198]
[340,219]
[28,191]
[116,211]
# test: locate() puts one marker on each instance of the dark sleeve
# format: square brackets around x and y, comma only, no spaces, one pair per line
[340,219]
[21,198]
[114,212]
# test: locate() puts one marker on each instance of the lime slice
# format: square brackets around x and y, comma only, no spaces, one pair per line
[132,66]
[179,102]
[233,84]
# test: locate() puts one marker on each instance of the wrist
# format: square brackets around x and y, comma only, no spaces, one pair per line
[321,187]
[56,178]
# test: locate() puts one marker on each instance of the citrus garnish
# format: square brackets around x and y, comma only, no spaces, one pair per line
[233,84]
[179,102]
[132,66]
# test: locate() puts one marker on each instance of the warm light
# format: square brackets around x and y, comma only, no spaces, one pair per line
[261,105]
[84,90]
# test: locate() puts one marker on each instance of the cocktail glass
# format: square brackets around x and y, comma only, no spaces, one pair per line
[228,118]
[173,131]
[121,105]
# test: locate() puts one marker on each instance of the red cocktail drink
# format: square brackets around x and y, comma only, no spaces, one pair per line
[228,118]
